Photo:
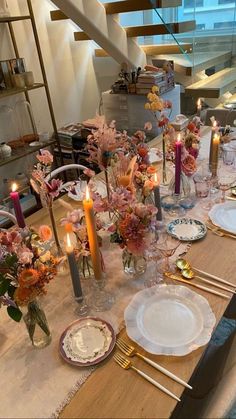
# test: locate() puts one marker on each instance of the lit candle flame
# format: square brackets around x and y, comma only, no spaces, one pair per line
[199,103]
[14,187]
[214,125]
[178,138]
[87,195]
[69,246]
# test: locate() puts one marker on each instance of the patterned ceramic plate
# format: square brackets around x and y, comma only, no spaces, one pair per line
[87,342]
[187,229]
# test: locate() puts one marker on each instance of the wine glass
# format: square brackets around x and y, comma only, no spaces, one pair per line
[167,245]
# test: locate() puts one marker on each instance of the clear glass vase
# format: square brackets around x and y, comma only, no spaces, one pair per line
[134,265]
[37,325]
[85,266]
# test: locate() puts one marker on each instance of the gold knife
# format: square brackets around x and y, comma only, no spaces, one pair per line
[201,287]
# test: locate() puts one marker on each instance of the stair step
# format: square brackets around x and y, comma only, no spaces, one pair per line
[215,85]
[137,5]
[124,7]
[194,63]
[151,50]
[148,30]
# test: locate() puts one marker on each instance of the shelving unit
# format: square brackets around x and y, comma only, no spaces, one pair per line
[10,92]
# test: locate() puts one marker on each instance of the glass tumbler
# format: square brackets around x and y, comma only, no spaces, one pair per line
[228,155]
[202,186]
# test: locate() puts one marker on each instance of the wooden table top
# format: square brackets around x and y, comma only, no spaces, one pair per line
[111,392]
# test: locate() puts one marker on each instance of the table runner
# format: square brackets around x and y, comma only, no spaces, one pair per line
[38,383]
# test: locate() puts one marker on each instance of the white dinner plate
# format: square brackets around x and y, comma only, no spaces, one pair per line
[87,341]
[169,320]
[187,229]
[224,216]
[154,155]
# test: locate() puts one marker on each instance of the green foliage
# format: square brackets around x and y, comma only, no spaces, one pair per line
[14,313]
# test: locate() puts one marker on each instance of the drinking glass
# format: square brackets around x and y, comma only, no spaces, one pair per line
[228,155]
[167,245]
[225,182]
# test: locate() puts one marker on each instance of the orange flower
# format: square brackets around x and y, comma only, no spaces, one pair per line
[151,170]
[23,295]
[28,277]
[45,233]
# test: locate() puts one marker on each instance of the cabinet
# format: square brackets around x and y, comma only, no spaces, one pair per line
[23,151]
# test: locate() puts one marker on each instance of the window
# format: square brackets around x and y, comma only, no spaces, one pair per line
[200,26]
[193,3]
[225,1]
[224,25]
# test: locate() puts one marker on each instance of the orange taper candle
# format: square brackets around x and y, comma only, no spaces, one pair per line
[92,236]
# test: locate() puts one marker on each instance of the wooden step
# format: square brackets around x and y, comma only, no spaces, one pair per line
[125,6]
[194,63]
[152,50]
[148,30]
[137,5]
[215,85]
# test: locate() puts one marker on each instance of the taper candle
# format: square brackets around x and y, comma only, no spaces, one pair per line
[214,130]
[17,207]
[199,107]
[178,150]
[157,198]
[92,236]
[74,272]
[215,154]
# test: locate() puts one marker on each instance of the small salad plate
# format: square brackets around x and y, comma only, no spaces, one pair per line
[187,229]
[87,342]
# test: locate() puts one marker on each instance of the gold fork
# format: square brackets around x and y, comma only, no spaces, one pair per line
[126,364]
[129,350]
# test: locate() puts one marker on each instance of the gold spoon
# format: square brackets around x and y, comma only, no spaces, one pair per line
[188,273]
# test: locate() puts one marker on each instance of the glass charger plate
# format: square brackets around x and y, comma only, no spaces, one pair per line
[224,216]
[87,341]
[169,320]
[187,229]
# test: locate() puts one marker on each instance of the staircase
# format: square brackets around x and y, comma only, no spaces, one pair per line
[100,22]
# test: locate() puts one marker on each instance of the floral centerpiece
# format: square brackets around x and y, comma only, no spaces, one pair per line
[48,190]
[158,107]
[131,224]
[26,267]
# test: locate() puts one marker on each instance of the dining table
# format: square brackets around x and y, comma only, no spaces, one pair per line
[111,392]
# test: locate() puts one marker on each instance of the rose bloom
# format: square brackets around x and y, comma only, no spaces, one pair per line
[148,125]
[28,277]
[25,256]
[45,233]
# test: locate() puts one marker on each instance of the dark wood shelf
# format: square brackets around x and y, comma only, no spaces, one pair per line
[16,91]
[25,151]
[8,19]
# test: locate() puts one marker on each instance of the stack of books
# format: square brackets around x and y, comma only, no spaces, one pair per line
[148,79]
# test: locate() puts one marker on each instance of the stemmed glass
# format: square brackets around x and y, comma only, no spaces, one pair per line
[167,245]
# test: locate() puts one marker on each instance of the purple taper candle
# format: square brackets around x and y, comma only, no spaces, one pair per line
[17,207]
[178,150]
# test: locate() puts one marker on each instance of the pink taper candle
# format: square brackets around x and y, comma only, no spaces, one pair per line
[178,149]
[17,207]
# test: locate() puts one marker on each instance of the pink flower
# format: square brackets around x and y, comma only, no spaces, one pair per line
[45,233]
[148,126]
[25,256]
[53,187]
[88,172]
[45,157]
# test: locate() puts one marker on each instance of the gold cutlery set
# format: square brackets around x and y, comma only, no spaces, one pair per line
[125,363]
[189,273]
[219,231]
